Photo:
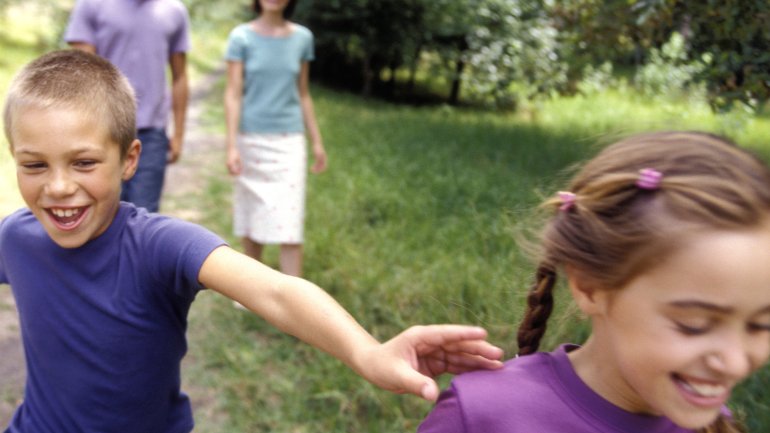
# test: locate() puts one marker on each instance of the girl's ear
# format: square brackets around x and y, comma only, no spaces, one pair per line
[588,297]
[131,160]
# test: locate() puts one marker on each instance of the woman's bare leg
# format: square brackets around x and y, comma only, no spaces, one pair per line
[291,259]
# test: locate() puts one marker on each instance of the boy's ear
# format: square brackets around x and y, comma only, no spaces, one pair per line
[588,296]
[131,160]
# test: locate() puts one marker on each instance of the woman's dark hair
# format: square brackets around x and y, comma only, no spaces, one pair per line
[287,13]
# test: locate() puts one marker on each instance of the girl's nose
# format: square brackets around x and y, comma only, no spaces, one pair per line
[737,357]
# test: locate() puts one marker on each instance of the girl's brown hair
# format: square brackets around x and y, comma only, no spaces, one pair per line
[615,230]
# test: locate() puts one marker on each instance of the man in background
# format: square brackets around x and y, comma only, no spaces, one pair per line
[141,37]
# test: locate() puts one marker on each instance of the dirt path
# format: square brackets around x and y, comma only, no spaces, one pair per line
[201,155]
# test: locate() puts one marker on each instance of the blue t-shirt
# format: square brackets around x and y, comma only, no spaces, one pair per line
[535,393]
[103,325]
[271,67]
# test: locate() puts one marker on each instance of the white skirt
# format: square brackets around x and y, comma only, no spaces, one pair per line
[269,194]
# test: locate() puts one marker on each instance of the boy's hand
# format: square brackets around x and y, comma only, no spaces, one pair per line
[408,362]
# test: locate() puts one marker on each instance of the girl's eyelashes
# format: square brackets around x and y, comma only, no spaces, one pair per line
[691,330]
[759,327]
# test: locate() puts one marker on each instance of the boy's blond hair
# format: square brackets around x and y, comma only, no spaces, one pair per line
[73,79]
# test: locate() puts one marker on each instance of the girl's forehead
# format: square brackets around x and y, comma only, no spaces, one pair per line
[730,268]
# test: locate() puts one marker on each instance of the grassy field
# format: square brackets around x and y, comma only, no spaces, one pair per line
[422,218]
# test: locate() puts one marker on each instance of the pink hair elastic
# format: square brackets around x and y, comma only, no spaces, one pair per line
[649,179]
[567,200]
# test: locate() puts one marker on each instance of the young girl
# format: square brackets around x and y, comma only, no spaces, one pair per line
[663,241]
[268,110]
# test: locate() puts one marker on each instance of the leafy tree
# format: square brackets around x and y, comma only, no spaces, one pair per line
[729,38]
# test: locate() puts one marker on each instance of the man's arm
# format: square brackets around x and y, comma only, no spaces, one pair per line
[180,90]
[83,46]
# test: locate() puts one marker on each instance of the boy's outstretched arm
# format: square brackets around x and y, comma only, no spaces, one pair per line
[404,364]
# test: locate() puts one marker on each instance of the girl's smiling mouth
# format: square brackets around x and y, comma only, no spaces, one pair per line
[702,393]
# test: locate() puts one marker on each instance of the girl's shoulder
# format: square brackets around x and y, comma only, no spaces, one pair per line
[300,30]
[523,375]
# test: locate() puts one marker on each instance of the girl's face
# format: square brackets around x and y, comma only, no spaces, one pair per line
[69,172]
[275,6]
[678,338]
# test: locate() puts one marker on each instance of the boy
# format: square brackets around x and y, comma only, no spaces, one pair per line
[103,288]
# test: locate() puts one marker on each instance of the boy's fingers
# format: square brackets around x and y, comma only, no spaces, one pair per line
[456,363]
[456,338]
[415,383]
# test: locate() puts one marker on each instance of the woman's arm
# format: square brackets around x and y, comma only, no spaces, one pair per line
[300,308]
[311,124]
[232,99]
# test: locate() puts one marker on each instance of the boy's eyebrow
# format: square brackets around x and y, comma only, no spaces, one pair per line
[22,150]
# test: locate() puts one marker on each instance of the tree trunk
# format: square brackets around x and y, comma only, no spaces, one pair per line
[454,96]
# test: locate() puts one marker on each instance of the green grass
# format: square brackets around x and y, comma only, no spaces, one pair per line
[418,220]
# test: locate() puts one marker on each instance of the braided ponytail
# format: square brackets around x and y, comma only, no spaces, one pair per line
[539,308]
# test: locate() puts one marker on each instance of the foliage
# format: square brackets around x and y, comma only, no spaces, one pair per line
[359,39]
[730,39]
[669,73]
[500,42]
[736,37]
[509,43]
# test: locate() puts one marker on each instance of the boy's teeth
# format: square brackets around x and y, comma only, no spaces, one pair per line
[65,213]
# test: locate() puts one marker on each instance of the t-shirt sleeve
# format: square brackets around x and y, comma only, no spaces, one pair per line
[446,416]
[236,44]
[178,250]
[79,27]
[180,39]
[309,54]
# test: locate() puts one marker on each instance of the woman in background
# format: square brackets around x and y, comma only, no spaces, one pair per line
[269,111]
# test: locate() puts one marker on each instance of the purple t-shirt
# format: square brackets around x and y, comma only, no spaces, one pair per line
[139,37]
[535,393]
[103,325]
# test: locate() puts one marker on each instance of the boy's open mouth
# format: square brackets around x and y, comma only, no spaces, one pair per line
[67,218]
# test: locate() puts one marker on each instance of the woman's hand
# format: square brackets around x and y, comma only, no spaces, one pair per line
[319,159]
[233,161]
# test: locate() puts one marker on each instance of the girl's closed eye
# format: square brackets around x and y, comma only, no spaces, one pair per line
[759,327]
[693,326]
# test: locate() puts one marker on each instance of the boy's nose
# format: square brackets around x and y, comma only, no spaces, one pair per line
[60,185]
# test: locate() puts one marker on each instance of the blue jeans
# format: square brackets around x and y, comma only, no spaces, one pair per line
[145,187]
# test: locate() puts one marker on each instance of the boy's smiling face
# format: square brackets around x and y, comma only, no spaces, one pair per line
[69,171]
